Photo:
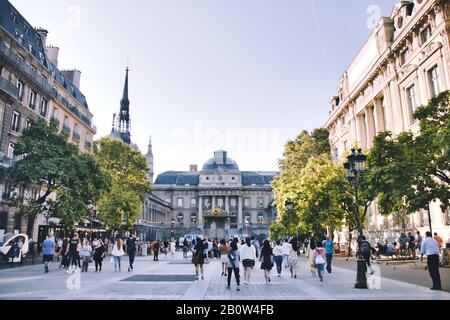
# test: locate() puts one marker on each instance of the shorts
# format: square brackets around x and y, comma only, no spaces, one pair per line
[47,258]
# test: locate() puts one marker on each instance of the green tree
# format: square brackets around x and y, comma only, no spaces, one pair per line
[53,176]
[121,205]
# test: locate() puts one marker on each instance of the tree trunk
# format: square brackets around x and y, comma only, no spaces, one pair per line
[30,225]
[429,219]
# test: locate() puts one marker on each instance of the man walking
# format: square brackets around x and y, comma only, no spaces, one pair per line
[131,251]
[287,248]
[430,248]
[328,245]
[48,248]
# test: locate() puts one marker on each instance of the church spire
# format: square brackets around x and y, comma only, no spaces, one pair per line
[149,157]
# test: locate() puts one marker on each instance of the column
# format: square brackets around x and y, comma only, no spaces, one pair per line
[240,210]
[200,212]
[227,205]
[213,202]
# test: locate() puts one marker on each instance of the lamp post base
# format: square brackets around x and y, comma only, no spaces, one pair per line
[361,279]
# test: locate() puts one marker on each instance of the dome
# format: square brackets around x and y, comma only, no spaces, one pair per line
[220,161]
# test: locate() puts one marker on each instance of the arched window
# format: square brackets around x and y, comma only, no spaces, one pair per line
[193,218]
[180,218]
[260,218]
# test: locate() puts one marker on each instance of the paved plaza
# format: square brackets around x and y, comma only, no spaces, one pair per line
[173,279]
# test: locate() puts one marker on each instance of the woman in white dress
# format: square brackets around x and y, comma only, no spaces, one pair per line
[294,265]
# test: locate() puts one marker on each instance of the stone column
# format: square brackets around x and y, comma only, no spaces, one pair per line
[227,205]
[240,210]
[200,212]
[213,202]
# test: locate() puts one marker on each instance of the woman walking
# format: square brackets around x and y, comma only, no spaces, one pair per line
[198,258]
[172,248]
[73,251]
[294,265]
[267,259]
[248,256]
[64,254]
[117,253]
[99,254]
[233,265]
[278,256]
[223,251]
[310,255]
[86,251]
[319,259]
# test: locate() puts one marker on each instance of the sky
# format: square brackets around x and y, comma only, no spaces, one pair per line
[238,75]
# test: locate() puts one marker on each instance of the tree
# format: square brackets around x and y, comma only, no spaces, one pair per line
[121,205]
[53,176]
[296,155]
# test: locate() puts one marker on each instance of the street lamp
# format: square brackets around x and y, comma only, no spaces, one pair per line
[173,231]
[355,166]
[289,205]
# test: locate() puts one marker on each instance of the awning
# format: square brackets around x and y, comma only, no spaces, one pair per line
[89,229]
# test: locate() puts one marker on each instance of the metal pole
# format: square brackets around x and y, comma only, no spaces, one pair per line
[361,279]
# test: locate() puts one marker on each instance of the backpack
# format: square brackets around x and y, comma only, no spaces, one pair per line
[365,247]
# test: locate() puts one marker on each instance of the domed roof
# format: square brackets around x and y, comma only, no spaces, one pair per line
[220,161]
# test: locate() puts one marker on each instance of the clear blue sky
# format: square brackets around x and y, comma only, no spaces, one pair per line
[240,75]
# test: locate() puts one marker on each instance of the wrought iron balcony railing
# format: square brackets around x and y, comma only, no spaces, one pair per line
[10,88]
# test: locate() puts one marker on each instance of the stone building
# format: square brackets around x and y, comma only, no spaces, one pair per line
[31,87]
[404,63]
[219,201]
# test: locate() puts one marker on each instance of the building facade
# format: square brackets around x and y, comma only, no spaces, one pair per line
[219,201]
[31,87]
[404,63]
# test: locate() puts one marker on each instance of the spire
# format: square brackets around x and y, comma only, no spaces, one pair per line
[150,161]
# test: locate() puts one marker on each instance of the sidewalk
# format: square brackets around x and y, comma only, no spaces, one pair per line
[29,282]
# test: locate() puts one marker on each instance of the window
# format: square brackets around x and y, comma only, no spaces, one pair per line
[32,99]
[180,218]
[345,144]
[220,203]
[260,202]
[260,219]
[193,218]
[28,123]
[336,153]
[14,16]
[411,95]
[15,122]
[19,36]
[383,111]
[426,34]
[233,203]
[193,202]
[43,108]
[180,202]
[55,113]
[246,203]
[433,76]
[20,87]
[404,56]
[30,47]
[21,58]
[207,203]
[11,147]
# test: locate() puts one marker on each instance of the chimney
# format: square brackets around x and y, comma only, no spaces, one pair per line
[73,76]
[193,168]
[52,53]
[43,33]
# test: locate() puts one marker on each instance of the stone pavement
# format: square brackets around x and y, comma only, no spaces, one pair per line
[30,282]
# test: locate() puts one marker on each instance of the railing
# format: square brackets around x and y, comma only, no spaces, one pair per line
[66,129]
[88,145]
[74,110]
[9,87]
[6,161]
[30,72]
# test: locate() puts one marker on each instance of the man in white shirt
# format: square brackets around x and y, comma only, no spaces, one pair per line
[287,248]
[430,248]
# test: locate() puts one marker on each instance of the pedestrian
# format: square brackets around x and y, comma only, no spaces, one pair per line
[411,245]
[418,242]
[58,248]
[278,256]
[131,251]
[86,252]
[367,251]
[99,254]
[233,256]
[64,254]
[430,248]
[403,240]
[287,247]
[248,256]
[74,252]
[48,248]
[319,259]
[267,259]
[215,248]
[328,245]
[223,251]
[198,258]
[172,248]
[255,243]
[117,253]
[155,247]
[294,264]
[185,248]
[310,255]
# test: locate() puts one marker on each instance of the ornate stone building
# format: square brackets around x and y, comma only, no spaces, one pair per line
[219,201]
[31,87]
[403,64]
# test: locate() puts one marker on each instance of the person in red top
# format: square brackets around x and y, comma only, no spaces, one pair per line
[439,240]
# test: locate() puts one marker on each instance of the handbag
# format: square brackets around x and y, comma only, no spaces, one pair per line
[194,259]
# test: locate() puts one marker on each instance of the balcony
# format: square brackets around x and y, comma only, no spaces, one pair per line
[76,137]
[6,161]
[9,88]
[29,72]
[66,129]
[74,110]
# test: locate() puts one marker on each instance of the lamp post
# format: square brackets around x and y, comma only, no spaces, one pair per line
[289,205]
[172,233]
[355,167]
